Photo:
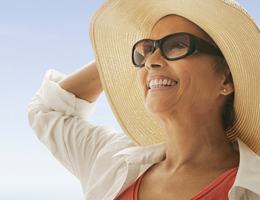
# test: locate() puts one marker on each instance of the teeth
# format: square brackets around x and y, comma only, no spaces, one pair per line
[151,83]
[173,83]
[161,83]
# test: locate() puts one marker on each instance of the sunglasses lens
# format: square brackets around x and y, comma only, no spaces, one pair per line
[142,51]
[173,47]
[176,46]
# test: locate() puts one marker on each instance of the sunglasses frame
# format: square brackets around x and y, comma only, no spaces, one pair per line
[197,45]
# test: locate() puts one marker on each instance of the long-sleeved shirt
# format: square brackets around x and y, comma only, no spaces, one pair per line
[106,161]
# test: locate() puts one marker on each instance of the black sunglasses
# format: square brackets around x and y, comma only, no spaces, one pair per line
[172,47]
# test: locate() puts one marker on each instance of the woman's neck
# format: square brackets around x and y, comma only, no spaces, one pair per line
[193,140]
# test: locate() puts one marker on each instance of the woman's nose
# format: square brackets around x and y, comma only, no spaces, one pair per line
[156,60]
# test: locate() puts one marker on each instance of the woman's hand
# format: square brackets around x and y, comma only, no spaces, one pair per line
[84,83]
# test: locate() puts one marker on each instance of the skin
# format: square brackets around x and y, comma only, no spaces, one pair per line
[189,113]
[84,83]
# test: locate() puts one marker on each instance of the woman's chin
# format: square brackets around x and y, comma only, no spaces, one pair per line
[156,108]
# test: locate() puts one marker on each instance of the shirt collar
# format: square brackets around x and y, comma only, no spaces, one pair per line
[146,154]
[248,175]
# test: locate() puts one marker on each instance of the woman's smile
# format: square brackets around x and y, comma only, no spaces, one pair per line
[158,82]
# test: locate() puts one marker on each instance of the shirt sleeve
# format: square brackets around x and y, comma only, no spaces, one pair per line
[60,121]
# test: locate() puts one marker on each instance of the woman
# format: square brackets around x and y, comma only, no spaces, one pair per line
[186,86]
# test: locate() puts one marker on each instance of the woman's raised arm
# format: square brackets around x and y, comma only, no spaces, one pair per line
[84,83]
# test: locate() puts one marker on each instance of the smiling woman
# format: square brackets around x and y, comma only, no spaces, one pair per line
[170,100]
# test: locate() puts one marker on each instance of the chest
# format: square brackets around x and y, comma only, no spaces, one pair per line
[183,186]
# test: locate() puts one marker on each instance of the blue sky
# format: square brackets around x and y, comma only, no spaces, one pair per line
[36,36]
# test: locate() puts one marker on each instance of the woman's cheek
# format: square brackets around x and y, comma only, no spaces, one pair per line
[141,73]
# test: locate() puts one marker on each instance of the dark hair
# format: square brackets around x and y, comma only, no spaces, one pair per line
[228,112]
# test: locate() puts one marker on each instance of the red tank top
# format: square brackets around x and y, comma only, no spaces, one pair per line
[217,190]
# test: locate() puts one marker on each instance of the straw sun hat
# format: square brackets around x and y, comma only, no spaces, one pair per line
[118,24]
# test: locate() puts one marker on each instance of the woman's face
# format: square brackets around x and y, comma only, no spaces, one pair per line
[196,86]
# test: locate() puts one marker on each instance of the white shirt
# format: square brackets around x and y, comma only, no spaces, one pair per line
[106,161]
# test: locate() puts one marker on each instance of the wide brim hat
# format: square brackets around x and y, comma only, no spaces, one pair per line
[118,24]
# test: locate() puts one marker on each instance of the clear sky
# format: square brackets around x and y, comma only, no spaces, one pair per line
[36,36]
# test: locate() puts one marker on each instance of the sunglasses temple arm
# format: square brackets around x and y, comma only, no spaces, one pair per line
[205,47]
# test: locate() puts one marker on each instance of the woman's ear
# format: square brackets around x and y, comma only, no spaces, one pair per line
[227,84]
